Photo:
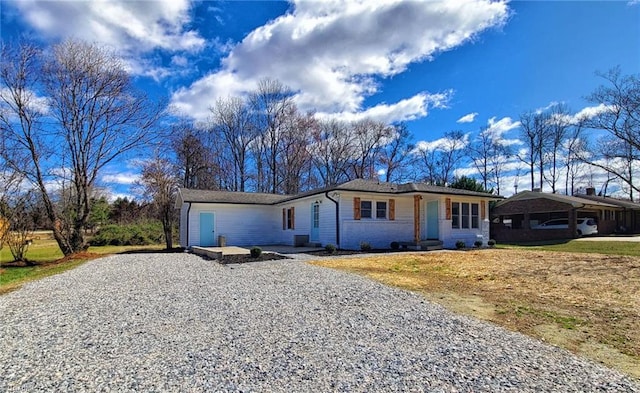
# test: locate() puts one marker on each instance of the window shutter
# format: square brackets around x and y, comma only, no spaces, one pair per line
[483,210]
[392,209]
[356,208]
[447,203]
[284,218]
[293,218]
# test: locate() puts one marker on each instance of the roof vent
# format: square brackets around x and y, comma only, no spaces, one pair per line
[591,191]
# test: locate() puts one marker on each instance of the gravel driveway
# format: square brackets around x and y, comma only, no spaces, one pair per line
[176,322]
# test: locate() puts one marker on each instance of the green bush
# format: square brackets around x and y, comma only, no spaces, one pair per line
[478,243]
[129,235]
[491,243]
[460,244]
[330,248]
[395,245]
[255,252]
[365,246]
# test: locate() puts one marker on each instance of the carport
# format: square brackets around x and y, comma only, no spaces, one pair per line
[513,219]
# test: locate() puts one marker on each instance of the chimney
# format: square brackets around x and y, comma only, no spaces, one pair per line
[591,191]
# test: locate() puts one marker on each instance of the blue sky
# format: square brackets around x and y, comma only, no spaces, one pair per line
[432,64]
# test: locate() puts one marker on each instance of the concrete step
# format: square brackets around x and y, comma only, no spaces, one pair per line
[312,244]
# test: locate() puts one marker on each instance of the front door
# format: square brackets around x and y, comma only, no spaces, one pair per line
[432,220]
[315,222]
[207,235]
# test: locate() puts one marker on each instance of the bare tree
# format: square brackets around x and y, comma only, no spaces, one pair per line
[159,185]
[396,156]
[95,116]
[232,122]
[480,151]
[331,149]
[19,225]
[272,103]
[440,159]
[558,128]
[533,129]
[193,160]
[368,138]
[295,162]
[619,115]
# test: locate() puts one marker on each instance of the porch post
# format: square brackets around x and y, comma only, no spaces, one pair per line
[416,218]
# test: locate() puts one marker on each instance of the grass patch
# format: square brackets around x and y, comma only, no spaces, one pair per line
[49,261]
[586,303]
[580,246]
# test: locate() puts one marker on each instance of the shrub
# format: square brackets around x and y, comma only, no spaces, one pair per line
[255,252]
[365,246]
[395,245]
[129,235]
[460,244]
[478,243]
[491,243]
[330,248]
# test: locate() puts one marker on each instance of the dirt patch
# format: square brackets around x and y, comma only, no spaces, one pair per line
[587,303]
[246,258]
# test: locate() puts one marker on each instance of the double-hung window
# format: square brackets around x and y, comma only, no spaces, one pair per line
[381,210]
[365,209]
[465,215]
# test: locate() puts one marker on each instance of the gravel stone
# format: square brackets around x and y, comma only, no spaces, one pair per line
[179,323]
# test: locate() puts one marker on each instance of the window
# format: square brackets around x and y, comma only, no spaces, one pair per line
[316,215]
[288,218]
[365,209]
[475,218]
[465,215]
[381,210]
[455,215]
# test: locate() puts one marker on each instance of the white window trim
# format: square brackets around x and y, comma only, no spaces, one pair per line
[374,209]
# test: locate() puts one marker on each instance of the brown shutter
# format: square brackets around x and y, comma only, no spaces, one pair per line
[293,218]
[356,208]
[483,210]
[392,209]
[447,203]
[284,218]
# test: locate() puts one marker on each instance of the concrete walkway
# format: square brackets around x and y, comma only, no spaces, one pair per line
[631,238]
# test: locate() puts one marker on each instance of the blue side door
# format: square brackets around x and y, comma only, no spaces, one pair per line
[207,235]
[315,222]
[432,220]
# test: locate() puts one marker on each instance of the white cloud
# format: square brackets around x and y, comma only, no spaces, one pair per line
[442,143]
[404,110]
[132,26]
[125,178]
[468,118]
[331,52]
[498,128]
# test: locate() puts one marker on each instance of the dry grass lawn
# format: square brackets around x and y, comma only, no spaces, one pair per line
[586,303]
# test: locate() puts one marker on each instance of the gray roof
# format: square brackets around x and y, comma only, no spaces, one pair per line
[362,185]
[250,198]
[574,201]
[613,201]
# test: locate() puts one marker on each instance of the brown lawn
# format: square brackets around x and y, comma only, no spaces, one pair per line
[586,303]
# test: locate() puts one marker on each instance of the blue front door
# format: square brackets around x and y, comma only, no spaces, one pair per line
[432,220]
[207,235]
[315,222]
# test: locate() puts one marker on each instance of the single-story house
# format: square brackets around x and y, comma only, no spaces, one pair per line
[344,215]
[627,218]
[514,219]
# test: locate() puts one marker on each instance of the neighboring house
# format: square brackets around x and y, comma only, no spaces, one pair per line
[627,218]
[515,219]
[345,215]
